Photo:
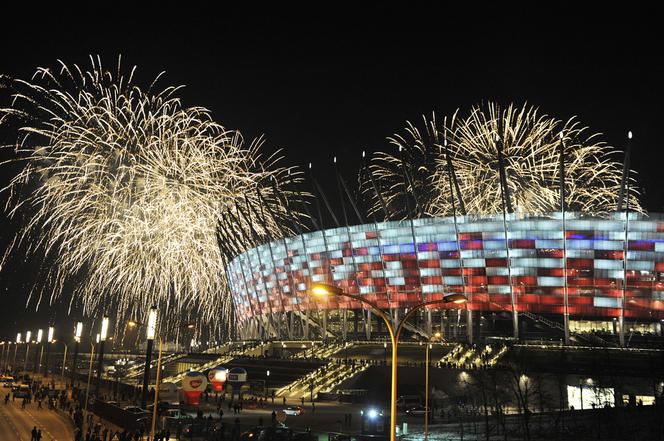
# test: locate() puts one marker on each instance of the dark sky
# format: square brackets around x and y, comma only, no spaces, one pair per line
[322,81]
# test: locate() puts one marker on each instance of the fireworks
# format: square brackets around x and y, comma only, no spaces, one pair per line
[125,193]
[530,145]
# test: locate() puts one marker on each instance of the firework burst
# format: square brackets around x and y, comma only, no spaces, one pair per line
[131,199]
[530,145]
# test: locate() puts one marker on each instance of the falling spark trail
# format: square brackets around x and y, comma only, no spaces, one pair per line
[531,155]
[121,191]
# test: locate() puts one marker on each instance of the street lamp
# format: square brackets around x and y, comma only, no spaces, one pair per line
[18,341]
[324,290]
[150,333]
[37,365]
[437,336]
[78,333]
[267,379]
[28,334]
[49,340]
[5,354]
[102,338]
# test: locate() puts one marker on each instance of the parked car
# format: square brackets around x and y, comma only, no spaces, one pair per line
[418,411]
[267,433]
[135,409]
[408,401]
[201,428]
[293,410]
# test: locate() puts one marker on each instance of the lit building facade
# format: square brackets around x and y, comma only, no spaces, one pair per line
[608,269]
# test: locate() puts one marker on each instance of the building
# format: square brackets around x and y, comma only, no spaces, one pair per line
[508,267]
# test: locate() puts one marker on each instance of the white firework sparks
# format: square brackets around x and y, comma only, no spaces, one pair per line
[530,144]
[123,191]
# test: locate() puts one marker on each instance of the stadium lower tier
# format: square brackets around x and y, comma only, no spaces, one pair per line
[581,266]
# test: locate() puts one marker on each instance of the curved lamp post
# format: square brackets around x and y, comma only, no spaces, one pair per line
[324,290]
[436,337]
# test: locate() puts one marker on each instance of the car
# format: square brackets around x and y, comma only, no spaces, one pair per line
[418,411]
[407,401]
[22,391]
[175,414]
[293,410]
[267,434]
[8,384]
[135,409]
[202,428]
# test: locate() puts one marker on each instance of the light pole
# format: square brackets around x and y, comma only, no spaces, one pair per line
[64,363]
[100,367]
[323,290]
[87,389]
[78,333]
[436,336]
[3,358]
[150,333]
[267,380]
[49,340]
[28,334]
[18,341]
[37,366]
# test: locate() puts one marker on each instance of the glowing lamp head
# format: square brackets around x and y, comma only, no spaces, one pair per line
[28,334]
[78,331]
[98,338]
[629,134]
[372,414]
[104,329]
[51,334]
[151,330]
[455,298]
[323,290]
[437,335]
[18,338]
[40,334]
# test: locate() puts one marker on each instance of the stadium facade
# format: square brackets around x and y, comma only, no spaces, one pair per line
[576,271]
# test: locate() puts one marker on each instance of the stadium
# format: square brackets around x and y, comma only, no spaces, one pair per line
[578,273]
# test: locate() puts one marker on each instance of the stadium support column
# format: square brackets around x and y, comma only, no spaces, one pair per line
[306,324]
[325,324]
[624,193]
[564,228]
[344,323]
[291,318]
[429,324]
[367,325]
[507,208]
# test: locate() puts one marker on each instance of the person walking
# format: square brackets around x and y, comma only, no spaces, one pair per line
[38,435]
[34,434]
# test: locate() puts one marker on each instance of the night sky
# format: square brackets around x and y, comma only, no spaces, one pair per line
[326,81]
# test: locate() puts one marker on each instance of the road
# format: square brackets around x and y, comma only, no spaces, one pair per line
[16,423]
